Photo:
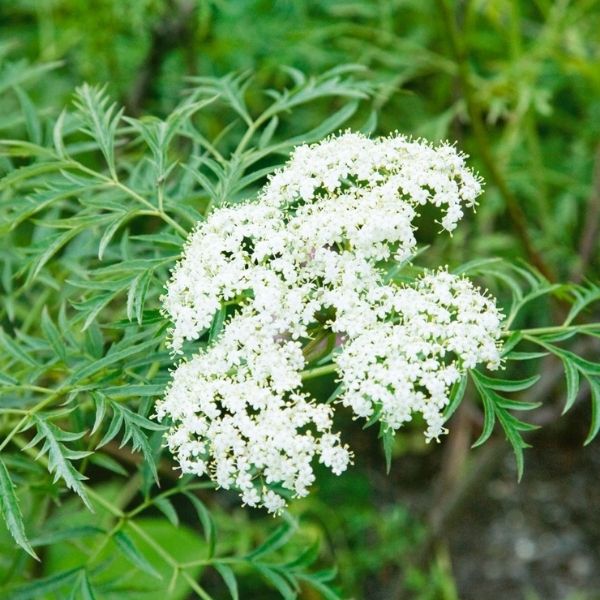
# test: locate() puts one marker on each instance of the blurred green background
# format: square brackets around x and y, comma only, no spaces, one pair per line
[516,83]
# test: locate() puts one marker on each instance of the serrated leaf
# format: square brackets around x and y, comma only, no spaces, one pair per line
[31,171]
[110,359]
[506,385]
[229,578]
[131,552]
[50,247]
[57,135]
[585,366]
[11,512]
[69,533]
[525,355]
[277,539]
[514,338]
[584,297]
[572,380]
[100,404]
[595,418]
[456,395]
[112,228]
[208,525]
[267,133]
[101,119]
[388,438]
[133,425]
[166,508]
[32,121]
[559,336]
[137,295]
[15,350]
[59,456]
[7,380]
[326,592]
[108,463]
[489,418]
[85,591]
[280,583]
[306,558]
[497,407]
[52,335]
[217,324]
[41,588]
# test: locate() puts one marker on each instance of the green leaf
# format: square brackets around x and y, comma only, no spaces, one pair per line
[8,380]
[456,395]
[133,425]
[229,578]
[489,418]
[49,247]
[277,539]
[279,582]
[595,420]
[69,533]
[583,298]
[497,407]
[217,324]
[59,456]
[129,391]
[110,231]
[585,366]
[11,512]
[306,558]
[137,295]
[15,350]
[388,438]
[101,119]
[525,355]
[52,335]
[110,359]
[42,588]
[514,338]
[208,525]
[108,463]
[572,378]
[57,135]
[506,385]
[326,592]
[31,171]
[166,508]
[32,122]
[85,591]
[131,552]
[267,133]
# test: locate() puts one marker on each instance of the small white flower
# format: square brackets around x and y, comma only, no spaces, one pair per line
[307,254]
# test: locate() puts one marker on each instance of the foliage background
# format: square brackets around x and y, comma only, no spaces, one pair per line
[516,83]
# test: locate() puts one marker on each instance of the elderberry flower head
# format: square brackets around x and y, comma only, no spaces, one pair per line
[305,259]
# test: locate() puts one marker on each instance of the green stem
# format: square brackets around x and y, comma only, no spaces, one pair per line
[559,329]
[318,371]
[133,194]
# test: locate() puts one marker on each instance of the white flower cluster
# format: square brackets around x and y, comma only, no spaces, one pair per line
[307,255]
[408,361]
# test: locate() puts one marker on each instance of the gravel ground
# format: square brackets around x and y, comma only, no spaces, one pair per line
[536,539]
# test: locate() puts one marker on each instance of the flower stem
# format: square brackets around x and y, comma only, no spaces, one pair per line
[318,371]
